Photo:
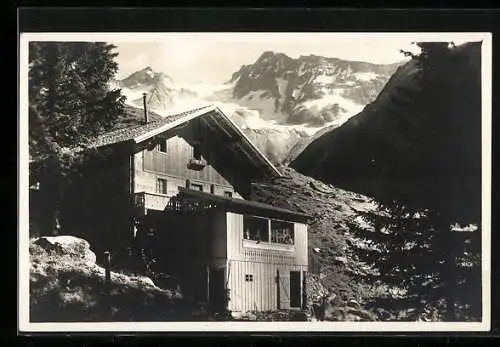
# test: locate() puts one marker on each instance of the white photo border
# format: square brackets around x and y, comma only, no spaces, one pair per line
[24,325]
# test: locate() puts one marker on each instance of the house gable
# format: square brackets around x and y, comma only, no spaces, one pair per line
[229,153]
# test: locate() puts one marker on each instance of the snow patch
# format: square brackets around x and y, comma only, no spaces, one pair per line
[324,79]
[301,69]
[206,89]
[466,228]
[333,97]
[365,76]
[282,86]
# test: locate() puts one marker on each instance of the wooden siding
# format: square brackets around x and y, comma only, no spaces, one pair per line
[262,261]
[174,162]
[150,165]
[261,293]
[301,253]
[234,236]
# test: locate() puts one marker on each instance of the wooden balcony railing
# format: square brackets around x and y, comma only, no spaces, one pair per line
[150,201]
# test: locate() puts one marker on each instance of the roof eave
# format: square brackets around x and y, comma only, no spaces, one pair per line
[239,204]
[254,148]
[167,126]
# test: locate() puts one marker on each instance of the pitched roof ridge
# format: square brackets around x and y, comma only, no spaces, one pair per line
[107,137]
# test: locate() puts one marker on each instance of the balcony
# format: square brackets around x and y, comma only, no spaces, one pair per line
[196,164]
[150,201]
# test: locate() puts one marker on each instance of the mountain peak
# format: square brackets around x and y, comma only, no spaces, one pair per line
[267,54]
[145,77]
[270,56]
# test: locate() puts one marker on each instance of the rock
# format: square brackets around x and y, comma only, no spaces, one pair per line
[67,285]
[383,315]
[251,316]
[360,314]
[353,303]
[342,260]
[71,246]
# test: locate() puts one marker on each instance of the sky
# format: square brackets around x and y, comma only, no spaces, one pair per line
[213,58]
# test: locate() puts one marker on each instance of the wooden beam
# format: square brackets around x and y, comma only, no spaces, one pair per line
[212,118]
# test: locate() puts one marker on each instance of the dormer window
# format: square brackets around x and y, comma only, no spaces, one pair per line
[162,146]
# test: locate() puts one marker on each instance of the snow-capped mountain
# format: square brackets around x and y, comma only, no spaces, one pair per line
[418,137]
[163,95]
[279,102]
[310,90]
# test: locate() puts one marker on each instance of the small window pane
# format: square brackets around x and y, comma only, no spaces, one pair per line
[282,232]
[256,229]
[162,146]
[197,187]
[161,186]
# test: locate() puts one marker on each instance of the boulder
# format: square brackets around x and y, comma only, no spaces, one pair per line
[66,284]
[71,246]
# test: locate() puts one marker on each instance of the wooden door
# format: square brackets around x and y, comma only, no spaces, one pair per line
[295,292]
[217,289]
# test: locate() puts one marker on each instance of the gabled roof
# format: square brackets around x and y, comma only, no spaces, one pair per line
[133,132]
[245,206]
[141,133]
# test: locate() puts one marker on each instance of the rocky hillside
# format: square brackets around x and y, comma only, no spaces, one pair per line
[309,90]
[336,268]
[426,137]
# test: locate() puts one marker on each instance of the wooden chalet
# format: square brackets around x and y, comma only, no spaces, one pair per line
[182,186]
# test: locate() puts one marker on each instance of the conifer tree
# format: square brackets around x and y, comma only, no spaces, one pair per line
[69,102]
[412,241]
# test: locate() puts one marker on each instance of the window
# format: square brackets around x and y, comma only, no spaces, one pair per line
[282,232]
[197,152]
[197,187]
[249,278]
[255,228]
[161,186]
[162,146]
[228,194]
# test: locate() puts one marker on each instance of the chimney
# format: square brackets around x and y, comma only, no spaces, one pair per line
[145,107]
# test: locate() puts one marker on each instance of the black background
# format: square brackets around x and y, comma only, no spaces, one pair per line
[277,20]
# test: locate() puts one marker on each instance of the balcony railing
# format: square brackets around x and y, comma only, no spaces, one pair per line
[150,201]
